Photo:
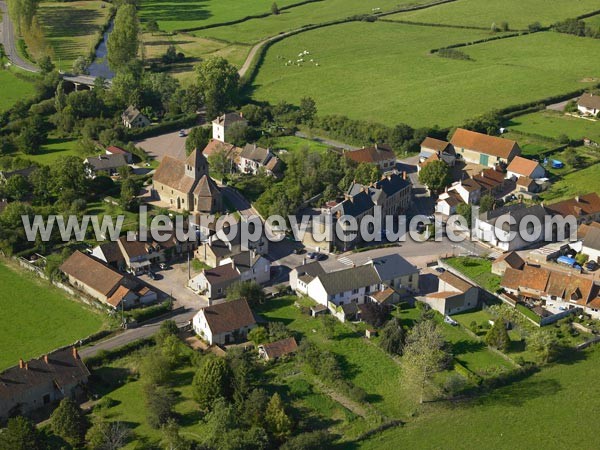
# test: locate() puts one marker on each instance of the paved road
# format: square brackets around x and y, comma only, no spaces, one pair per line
[8,40]
[134,334]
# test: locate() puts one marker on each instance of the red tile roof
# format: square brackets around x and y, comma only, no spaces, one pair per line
[583,205]
[522,166]
[372,155]
[280,348]
[483,143]
[229,316]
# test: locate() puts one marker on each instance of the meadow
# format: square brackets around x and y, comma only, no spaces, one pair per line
[53,149]
[399,81]
[540,410]
[575,183]
[483,13]
[37,318]
[183,14]
[72,28]
[554,124]
[12,89]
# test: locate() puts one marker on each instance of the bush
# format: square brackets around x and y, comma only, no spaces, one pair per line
[453,54]
[149,312]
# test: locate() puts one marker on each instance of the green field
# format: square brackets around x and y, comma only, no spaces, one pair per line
[554,124]
[72,29]
[477,269]
[13,88]
[484,13]
[523,415]
[53,149]
[256,30]
[406,84]
[295,144]
[178,14]
[575,183]
[37,318]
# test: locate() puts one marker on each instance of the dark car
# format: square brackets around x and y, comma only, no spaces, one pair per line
[591,266]
[152,275]
[440,269]
[299,251]
[320,256]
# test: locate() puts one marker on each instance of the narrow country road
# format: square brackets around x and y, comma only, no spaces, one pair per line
[8,40]
[255,49]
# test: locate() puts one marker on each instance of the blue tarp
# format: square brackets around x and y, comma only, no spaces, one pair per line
[566,260]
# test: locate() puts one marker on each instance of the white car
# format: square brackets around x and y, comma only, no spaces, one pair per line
[450,321]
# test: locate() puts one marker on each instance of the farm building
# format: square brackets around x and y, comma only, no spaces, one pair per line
[478,148]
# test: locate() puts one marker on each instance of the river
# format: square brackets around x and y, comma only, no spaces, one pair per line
[99,67]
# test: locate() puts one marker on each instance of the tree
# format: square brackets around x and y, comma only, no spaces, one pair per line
[68,422]
[435,175]
[22,12]
[123,42]
[253,408]
[424,355]
[535,26]
[155,368]
[277,421]
[68,174]
[274,9]
[238,134]
[219,83]
[197,138]
[391,337]
[374,314]
[167,328]
[170,55]
[20,434]
[308,109]
[17,187]
[46,65]
[128,192]
[544,344]
[312,440]
[171,439]
[278,331]
[152,26]
[366,173]
[251,291]
[219,163]
[497,336]
[60,98]
[211,382]
[258,335]
[160,401]
[107,436]
[465,210]
[80,66]
[32,135]
[486,203]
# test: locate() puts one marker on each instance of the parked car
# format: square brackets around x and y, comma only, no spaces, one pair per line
[151,275]
[450,321]
[312,255]
[591,266]
[440,269]
[162,266]
[299,251]
[181,133]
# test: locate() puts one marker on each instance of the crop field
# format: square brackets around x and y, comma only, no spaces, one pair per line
[183,14]
[72,28]
[13,88]
[37,318]
[484,13]
[554,124]
[520,415]
[399,81]
[256,30]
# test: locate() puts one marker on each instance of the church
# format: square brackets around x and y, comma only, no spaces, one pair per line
[187,185]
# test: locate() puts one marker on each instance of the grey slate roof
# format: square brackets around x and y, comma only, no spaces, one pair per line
[592,238]
[393,266]
[349,279]
[106,162]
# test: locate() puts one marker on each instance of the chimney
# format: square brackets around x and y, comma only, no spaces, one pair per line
[303,260]
[26,366]
[232,264]
[21,364]
[404,175]
[241,114]
[46,359]
[577,199]
[75,354]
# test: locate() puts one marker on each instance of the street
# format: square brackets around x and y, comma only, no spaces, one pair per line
[7,39]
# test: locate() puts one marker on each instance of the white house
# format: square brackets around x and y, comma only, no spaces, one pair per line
[222,124]
[589,104]
[133,118]
[522,167]
[493,227]
[591,244]
[454,295]
[254,158]
[251,266]
[224,323]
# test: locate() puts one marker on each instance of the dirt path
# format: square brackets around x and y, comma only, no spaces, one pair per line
[350,405]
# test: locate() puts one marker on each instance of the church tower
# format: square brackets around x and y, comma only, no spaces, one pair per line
[196,165]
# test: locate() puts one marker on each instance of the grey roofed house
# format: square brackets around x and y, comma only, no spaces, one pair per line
[106,162]
[592,238]
[392,266]
[518,212]
[355,205]
[349,279]
[229,119]
[245,260]
[589,100]
[308,272]
[6,175]
[255,153]
[378,191]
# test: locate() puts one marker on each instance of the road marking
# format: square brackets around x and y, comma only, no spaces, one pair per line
[345,260]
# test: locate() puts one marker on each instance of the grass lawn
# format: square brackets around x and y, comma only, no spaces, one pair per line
[521,415]
[295,144]
[554,124]
[484,13]
[13,88]
[174,15]
[72,28]
[409,85]
[478,269]
[53,149]
[575,183]
[531,146]
[37,318]
[256,30]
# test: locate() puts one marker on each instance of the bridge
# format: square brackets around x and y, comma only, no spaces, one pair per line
[88,81]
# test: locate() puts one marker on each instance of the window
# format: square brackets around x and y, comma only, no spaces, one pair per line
[355,291]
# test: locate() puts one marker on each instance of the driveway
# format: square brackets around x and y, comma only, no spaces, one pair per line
[173,281]
[169,144]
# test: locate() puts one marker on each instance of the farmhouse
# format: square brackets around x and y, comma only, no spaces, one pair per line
[524,168]
[585,208]
[454,295]
[34,384]
[213,283]
[254,159]
[187,185]
[505,261]
[591,244]
[589,104]
[380,155]
[356,285]
[435,149]
[113,150]
[478,148]
[277,349]
[110,253]
[104,284]
[225,323]
[493,226]
[230,151]
[108,164]
[222,125]
[133,118]
[543,286]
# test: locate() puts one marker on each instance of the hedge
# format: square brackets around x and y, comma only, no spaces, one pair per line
[150,312]
[103,357]
[187,121]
